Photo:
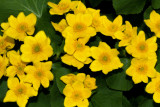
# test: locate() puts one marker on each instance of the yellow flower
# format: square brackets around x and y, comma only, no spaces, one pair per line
[97,19]
[38,74]
[153,87]
[141,48]
[63,6]
[110,28]
[79,8]
[19,92]
[79,26]
[106,59]
[76,95]
[77,48]
[17,67]
[71,60]
[36,48]
[21,26]
[72,78]
[154,23]
[140,70]
[3,65]
[127,36]
[60,26]
[90,82]
[6,43]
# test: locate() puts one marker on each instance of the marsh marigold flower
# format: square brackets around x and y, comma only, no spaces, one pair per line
[97,19]
[71,60]
[76,95]
[60,26]
[140,70]
[153,87]
[106,59]
[62,7]
[19,92]
[154,23]
[142,48]
[110,28]
[127,35]
[3,65]
[17,67]
[36,48]
[6,43]
[79,26]
[90,82]
[39,74]
[77,48]
[21,26]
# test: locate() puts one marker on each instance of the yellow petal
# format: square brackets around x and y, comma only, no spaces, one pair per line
[118,20]
[12,83]
[86,93]
[69,102]
[68,90]
[95,66]
[71,18]
[31,19]
[11,71]
[150,88]
[82,55]
[13,21]
[95,52]
[154,17]
[104,46]
[81,76]
[156,97]
[22,101]
[136,79]
[10,97]
[45,82]
[83,103]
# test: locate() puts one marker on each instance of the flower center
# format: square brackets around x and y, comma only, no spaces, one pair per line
[21,89]
[113,28]
[36,48]
[20,69]
[142,69]
[158,25]
[77,96]
[79,46]
[39,75]
[22,27]
[79,27]
[104,58]
[142,47]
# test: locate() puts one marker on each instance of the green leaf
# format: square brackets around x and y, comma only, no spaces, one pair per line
[94,41]
[155,4]
[118,79]
[147,12]
[58,72]
[105,96]
[128,6]
[125,102]
[95,3]
[3,89]
[57,99]
[42,100]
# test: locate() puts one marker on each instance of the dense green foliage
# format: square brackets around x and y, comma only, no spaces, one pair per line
[115,89]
